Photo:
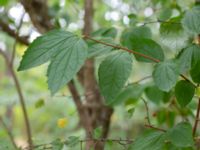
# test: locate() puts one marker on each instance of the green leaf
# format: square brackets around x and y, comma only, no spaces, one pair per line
[147,47]
[173,27]
[188,57]
[66,51]
[66,64]
[165,14]
[106,32]
[165,75]
[3,2]
[184,92]
[191,20]
[72,141]
[113,73]
[135,32]
[149,141]
[98,49]
[129,93]
[173,34]
[46,47]
[181,135]
[97,132]
[195,72]
[154,94]
[57,144]
[39,103]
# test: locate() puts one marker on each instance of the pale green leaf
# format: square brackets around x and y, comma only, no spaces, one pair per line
[191,20]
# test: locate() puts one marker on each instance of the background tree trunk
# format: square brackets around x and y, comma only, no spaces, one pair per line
[98,114]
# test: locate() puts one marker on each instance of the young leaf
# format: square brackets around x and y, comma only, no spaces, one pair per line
[184,92]
[149,141]
[165,75]
[66,64]
[181,135]
[45,47]
[191,20]
[113,73]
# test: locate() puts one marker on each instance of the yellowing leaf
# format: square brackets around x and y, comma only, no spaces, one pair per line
[62,122]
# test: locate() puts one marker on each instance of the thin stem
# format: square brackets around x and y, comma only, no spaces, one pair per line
[21,98]
[196,118]
[123,48]
[9,133]
[133,52]
[155,128]
[147,111]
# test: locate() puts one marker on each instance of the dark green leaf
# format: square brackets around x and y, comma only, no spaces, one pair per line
[149,141]
[147,47]
[165,75]
[135,32]
[154,94]
[113,73]
[191,20]
[184,92]
[181,135]
[195,72]
[173,27]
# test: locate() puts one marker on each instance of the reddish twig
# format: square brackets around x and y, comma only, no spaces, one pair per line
[196,118]
[155,128]
[133,52]
[147,111]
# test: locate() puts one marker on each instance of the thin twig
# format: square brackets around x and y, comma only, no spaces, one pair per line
[155,128]
[196,119]
[21,97]
[133,52]
[123,48]
[9,133]
[147,111]
[160,21]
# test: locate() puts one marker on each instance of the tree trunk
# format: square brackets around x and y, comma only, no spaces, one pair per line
[98,114]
